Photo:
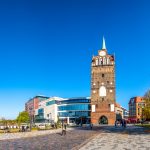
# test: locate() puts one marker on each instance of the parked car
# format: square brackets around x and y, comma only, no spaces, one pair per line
[41,126]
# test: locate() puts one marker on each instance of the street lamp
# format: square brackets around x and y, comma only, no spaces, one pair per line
[142,116]
[49,117]
[30,116]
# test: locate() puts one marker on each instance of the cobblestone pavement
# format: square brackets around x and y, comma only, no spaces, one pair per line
[111,138]
[100,138]
[46,140]
[28,134]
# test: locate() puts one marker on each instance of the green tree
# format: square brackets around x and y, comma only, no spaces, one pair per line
[3,121]
[146,109]
[23,117]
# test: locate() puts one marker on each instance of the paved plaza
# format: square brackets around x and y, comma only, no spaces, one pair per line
[45,140]
[100,138]
[111,138]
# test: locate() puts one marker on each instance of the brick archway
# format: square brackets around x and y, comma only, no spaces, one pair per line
[103,120]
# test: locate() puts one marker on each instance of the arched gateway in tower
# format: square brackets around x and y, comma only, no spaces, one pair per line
[103,87]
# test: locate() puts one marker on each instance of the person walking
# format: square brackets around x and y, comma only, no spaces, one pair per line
[125,123]
[115,123]
[56,125]
[122,122]
[64,126]
[91,126]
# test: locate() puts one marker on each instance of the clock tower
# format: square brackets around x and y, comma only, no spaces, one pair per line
[103,87]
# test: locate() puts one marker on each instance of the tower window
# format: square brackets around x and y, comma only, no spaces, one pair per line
[102,75]
[107,82]
[110,91]
[104,60]
[100,61]
[102,91]
[108,61]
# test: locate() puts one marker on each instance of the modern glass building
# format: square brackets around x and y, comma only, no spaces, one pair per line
[74,110]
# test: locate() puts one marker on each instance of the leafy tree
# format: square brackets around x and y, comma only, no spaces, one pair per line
[146,109]
[23,117]
[8,122]
[3,121]
[147,94]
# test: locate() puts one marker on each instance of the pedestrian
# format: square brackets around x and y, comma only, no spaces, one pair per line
[65,125]
[122,122]
[63,129]
[27,128]
[23,129]
[116,123]
[91,125]
[56,125]
[125,123]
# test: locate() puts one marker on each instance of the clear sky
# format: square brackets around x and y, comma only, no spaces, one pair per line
[46,48]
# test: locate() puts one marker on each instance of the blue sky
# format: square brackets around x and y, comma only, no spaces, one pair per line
[46,48]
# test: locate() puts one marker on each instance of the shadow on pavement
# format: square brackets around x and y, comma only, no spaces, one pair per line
[130,129]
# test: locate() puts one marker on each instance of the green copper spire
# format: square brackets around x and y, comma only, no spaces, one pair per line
[103,44]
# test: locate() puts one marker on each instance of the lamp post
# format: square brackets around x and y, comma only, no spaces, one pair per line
[30,116]
[49,117]
[30,122]
[142,116]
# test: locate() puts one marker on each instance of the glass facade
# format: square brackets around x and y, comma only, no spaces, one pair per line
[78,100]
[51,103]
[41,110]
[41,98]
[40,116]
[71,107]
[132,109]
[74,114]
[77,110]
[73,110]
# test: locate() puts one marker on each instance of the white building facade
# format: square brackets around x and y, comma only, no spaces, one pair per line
[47,110]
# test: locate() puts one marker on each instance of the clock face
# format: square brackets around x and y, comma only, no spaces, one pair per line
[102,53]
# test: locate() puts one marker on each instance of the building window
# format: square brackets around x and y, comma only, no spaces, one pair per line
[138,111]
[110,91]
[100,61]
[103,75]
[104,60]
[102,91]
[108,61]
[94,91]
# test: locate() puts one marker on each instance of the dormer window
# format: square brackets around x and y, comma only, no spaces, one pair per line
[108,61]
[104,60]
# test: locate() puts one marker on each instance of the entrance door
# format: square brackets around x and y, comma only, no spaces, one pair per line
[103,120]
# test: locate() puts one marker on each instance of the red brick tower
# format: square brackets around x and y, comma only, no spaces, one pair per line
[103,87]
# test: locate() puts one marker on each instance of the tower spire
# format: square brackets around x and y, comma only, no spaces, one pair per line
[103,44]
